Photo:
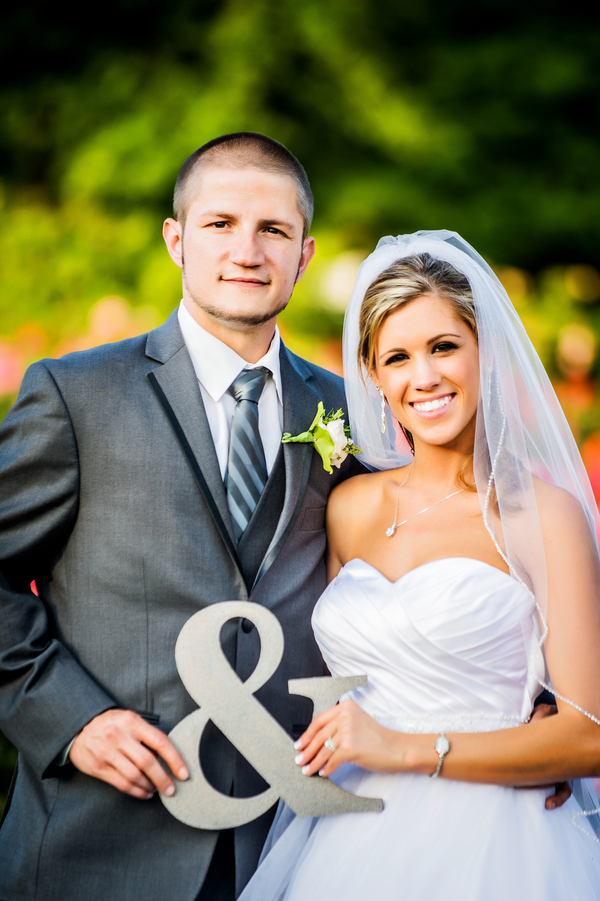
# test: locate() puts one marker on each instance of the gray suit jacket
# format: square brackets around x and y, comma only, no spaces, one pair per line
[112,500]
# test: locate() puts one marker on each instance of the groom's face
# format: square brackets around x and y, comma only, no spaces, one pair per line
[241,248]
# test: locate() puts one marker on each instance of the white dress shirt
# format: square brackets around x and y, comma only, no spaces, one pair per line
[216,366]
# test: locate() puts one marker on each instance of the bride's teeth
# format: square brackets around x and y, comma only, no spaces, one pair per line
[428,406]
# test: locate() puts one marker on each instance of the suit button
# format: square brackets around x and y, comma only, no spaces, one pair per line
[247,626]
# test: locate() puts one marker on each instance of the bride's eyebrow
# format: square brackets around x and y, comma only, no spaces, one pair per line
[443,335]
[392,351]
[402,350]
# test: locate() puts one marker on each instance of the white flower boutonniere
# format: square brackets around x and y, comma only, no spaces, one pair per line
[330,436]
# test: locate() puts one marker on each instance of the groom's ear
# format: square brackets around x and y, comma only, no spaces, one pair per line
[173,235]
[308,252]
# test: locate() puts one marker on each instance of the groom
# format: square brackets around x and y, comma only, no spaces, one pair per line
[140,482]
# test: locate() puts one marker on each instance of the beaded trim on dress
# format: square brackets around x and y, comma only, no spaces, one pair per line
[424,723]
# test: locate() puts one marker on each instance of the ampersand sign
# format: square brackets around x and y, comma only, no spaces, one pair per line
[232,707]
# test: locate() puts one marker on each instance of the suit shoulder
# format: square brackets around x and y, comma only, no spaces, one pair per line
[104,353]
[97,358]
[322,377]
[320,372]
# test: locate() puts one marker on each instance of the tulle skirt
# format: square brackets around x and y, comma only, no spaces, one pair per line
[434,839]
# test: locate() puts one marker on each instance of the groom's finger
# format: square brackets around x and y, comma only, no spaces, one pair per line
[117,746]
[121,761]
[561,795]
[150,744]
[108,765]
[132,784]
[149,766]
[157,741]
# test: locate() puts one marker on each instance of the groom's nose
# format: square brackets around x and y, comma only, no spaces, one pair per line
[246,249]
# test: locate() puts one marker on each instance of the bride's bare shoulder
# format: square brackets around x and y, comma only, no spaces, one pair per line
[353,498]
[349,507]
[563,519]
[555,502]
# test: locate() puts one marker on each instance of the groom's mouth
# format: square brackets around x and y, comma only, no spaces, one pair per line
[246,282]
[434,407]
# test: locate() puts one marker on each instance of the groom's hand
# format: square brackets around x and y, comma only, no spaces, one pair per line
[562,791]
[121,748]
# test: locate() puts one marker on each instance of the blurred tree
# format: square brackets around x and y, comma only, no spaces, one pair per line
[405,117]
[485,120]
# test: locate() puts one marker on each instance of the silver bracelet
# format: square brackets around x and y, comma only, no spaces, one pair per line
[442,746]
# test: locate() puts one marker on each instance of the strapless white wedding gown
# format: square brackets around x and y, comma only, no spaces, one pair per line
[445,648]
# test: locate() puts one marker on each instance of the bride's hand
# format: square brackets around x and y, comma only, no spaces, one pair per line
[356,737]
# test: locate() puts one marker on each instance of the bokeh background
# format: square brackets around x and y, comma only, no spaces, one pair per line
[478,117]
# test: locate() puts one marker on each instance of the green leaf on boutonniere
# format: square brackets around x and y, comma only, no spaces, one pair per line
[324,439]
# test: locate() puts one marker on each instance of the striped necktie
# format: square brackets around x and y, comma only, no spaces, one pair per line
[246,467]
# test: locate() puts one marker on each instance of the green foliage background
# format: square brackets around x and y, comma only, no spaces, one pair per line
[482,118]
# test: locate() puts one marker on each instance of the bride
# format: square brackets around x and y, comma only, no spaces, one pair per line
[464,578]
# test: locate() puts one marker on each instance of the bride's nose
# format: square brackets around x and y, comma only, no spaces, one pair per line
[425,375]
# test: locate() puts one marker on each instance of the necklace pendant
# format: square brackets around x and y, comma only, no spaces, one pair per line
[391,531]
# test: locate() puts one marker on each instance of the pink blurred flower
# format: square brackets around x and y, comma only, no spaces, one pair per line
[11,369]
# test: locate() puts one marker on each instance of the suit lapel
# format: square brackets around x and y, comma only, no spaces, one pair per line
[177,390]
[299,408]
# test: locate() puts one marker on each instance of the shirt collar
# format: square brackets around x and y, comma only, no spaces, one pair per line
[216,365]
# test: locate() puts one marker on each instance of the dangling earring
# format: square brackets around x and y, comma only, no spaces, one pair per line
[383,425]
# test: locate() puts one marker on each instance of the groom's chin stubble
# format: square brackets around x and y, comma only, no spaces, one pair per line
[233,319]
[239,319]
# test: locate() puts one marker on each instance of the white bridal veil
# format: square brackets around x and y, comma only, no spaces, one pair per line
[521,434]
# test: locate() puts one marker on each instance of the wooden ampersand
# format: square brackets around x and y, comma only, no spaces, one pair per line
[232,707]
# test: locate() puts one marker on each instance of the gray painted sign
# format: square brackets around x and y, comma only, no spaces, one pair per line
[231,705]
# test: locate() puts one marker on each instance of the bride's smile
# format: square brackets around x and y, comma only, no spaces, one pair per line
[431,409]
[428,367]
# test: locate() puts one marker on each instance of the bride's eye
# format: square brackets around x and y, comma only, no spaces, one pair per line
[444,347]
[396,358]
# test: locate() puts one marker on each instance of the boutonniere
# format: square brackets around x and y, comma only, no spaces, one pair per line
[330,436]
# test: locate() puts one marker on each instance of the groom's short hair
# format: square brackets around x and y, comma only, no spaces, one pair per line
[241,150]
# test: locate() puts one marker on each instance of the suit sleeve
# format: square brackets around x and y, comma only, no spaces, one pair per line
[46,697]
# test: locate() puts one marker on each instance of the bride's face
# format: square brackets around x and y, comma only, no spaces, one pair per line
[427,364]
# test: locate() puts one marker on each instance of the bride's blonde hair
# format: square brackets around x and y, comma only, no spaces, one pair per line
[397,286]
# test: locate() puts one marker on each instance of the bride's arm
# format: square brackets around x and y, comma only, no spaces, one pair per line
[543,752]
[564,746]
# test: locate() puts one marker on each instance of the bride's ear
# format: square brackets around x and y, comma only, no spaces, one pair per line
[373,376]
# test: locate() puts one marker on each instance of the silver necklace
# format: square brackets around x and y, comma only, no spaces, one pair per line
[392,529]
